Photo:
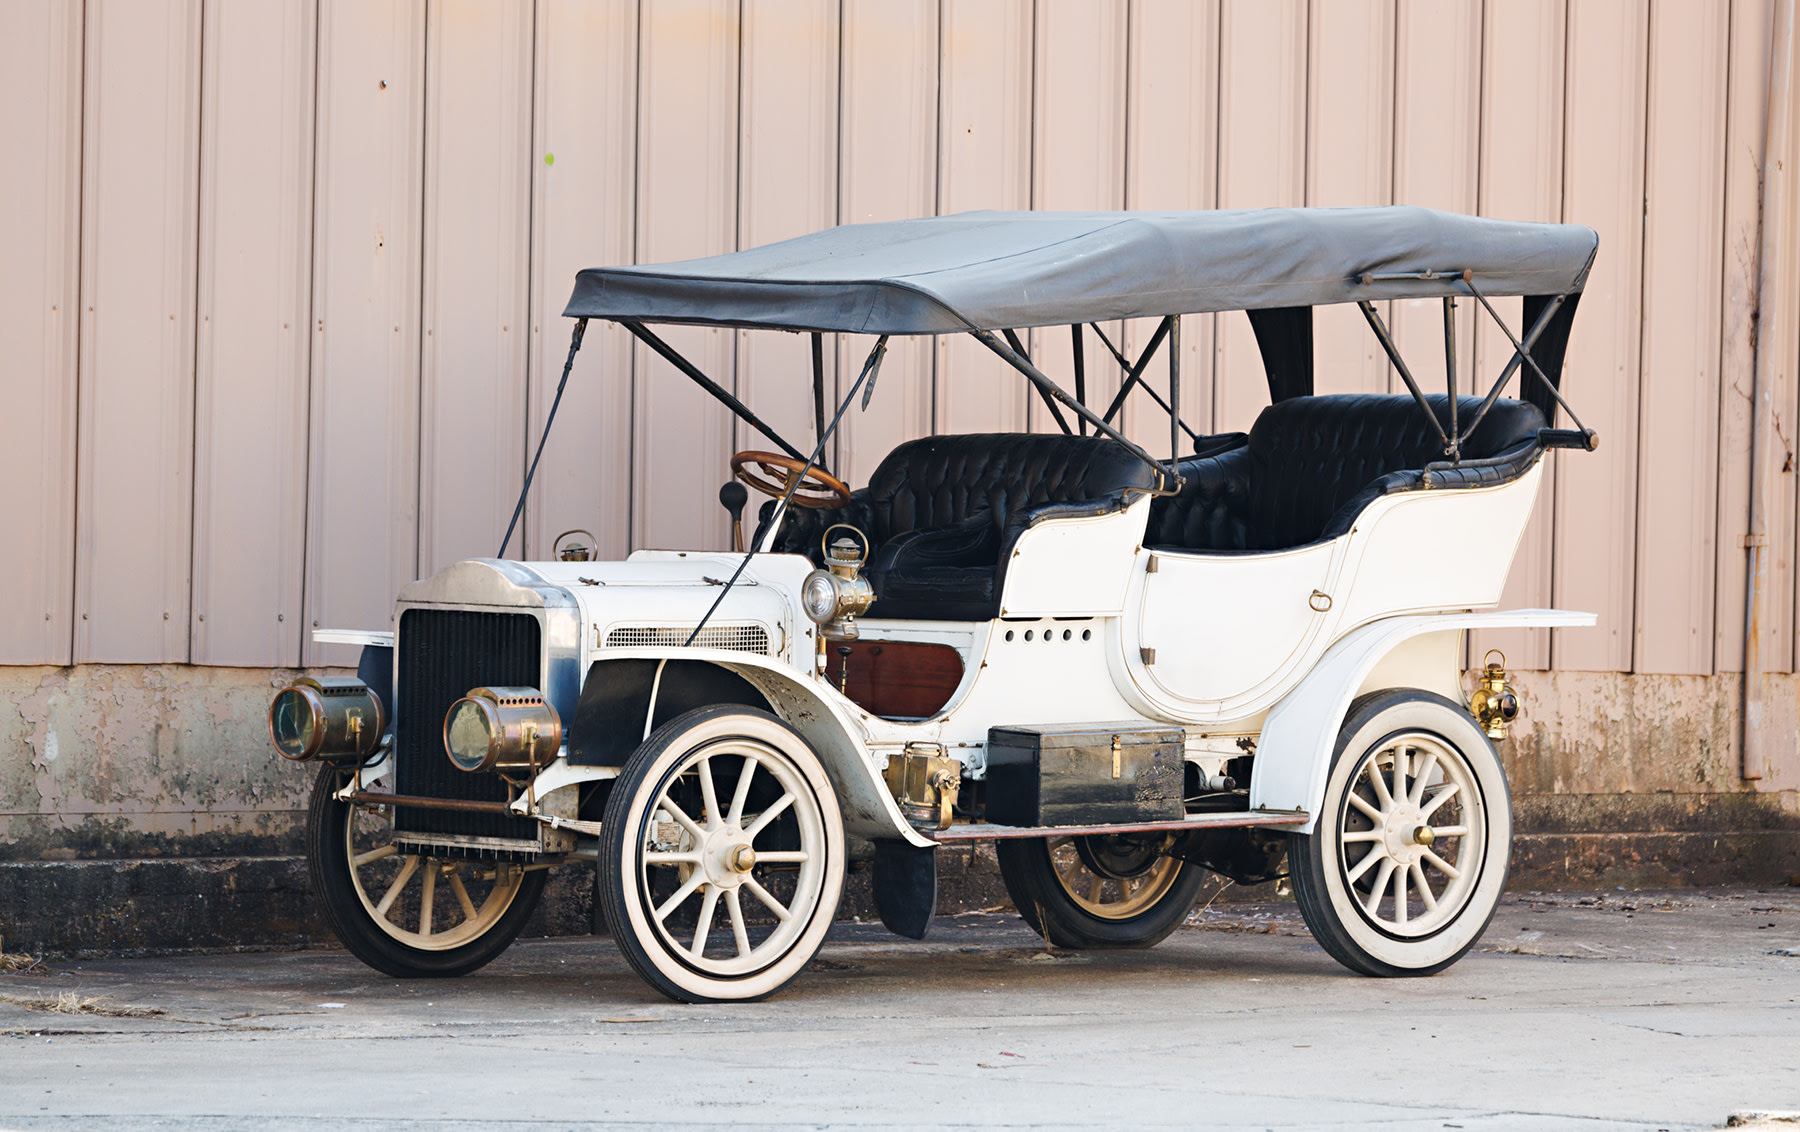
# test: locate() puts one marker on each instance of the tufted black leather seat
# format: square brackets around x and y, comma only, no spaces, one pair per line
[1311,464]
[944,512]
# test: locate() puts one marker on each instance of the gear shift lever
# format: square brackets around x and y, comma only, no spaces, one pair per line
[732,497]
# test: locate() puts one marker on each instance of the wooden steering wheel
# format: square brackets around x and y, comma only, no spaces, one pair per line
[818,488]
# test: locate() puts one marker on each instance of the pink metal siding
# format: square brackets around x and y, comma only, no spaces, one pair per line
[40,211]
[362,505]
[686,207]
[476,244]
[1677,474]
[1603,186]
[583,189]
[250,366]
[140,166]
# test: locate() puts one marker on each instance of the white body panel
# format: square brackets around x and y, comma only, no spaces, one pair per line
[1234,632]
[1074,567]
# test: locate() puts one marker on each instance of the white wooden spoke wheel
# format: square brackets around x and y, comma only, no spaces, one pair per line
[1099,892]
[1407,863]
[1411,835]
[723,856]
[404,913]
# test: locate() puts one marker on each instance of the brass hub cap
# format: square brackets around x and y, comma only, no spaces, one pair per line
[727,856]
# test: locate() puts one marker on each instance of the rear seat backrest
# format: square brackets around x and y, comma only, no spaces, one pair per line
[1307,457]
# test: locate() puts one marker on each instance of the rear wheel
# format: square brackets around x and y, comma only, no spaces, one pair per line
[405,914]
[1406,865]
[1096,892]
[722,856]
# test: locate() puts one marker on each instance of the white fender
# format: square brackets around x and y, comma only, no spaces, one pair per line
[868,809]
[1294,751]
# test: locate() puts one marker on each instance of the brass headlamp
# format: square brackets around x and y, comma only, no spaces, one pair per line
[333,718]
[502,729]
[1494,703]
[835,596]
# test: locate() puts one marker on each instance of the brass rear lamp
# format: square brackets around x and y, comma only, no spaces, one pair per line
[502,729]
[1494,705]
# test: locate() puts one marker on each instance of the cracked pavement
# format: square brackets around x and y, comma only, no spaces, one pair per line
[1597,1011]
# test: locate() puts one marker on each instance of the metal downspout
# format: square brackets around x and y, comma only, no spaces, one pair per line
[1752,746]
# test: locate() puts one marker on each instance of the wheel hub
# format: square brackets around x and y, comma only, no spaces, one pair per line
[727,856]
[1405,833]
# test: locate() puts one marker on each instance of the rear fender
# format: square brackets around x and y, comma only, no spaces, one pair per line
[1293,753]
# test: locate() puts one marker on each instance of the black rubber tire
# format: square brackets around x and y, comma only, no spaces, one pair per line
[1044,903]
[328,862]
[1347,935]
[626,904]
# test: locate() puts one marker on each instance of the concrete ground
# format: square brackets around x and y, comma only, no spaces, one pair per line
[1606,1011]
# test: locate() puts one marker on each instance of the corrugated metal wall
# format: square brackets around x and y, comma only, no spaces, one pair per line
[280,280]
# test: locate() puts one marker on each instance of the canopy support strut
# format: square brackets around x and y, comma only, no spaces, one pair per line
[1393,352]
[574,348]
[1134,376]
[1080,370]
[719,392]
[1012,339]
[818,360]
[1521,352]
[1171,479]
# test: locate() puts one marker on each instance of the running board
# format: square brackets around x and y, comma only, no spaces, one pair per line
[981,831]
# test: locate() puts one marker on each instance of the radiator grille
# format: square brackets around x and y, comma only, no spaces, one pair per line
[739,638]
[443,654]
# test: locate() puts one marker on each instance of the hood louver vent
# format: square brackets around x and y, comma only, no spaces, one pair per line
[738,638]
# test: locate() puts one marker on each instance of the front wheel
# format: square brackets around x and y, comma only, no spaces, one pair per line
[408,915]
[1113,891]
[722,856]
[1406,865]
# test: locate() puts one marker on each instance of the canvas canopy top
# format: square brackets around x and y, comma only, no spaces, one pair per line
[1000,270]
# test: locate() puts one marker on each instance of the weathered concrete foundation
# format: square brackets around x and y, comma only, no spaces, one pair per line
[142,810]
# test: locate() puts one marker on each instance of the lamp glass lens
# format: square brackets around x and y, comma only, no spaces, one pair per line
[292,723]
[467,738]
[818,596]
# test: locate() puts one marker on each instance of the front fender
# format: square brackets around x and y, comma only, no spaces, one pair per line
[868,808]
[1293,754]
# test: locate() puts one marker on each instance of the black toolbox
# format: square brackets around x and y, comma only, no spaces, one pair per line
[1086,775]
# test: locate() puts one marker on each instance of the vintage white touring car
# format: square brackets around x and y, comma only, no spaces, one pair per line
[1126,671]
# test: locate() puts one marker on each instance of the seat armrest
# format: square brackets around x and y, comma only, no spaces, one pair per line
[1490,472]
[1027,517]
[1508,465]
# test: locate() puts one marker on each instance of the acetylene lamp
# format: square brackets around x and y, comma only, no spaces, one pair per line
[335,719]
[502,729]
[834,596]
[1494,703]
